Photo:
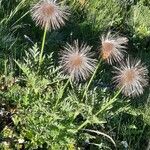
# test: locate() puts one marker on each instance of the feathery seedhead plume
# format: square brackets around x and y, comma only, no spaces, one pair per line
[113,48]
[132,77]
[48,13]
[76,61]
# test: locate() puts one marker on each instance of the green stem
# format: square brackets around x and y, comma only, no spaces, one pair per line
[110,102]
[91,79]
[42,48]
[82,125]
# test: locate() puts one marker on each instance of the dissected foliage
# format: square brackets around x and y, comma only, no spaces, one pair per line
[40,108]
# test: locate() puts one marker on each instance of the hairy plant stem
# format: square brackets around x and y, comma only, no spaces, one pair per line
[108,104]
[91,79]
[43,44]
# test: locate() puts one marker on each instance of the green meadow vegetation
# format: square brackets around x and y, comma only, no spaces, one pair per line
[74,75]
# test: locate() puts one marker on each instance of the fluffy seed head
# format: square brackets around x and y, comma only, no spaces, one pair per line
[48,13]
[113,48]
[132,77]
[76,61]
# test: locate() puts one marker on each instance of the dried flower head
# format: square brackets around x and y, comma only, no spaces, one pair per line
[48,13]
[131,77]
[77,62]
[113,48]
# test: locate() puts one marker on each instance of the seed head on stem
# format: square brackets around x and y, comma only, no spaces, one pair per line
[113,48]
[48,13]
[132,77]
[76,61]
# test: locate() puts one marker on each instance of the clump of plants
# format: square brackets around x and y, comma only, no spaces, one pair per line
[64,102]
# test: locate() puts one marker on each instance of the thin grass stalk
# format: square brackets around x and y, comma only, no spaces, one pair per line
[21,18]
[13,13]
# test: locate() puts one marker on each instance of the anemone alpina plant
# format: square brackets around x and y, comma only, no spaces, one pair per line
[49,14]
[113,47]
[76,61]
[132,77]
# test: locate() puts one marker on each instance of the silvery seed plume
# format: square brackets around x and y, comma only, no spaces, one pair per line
[48,13]
[132,77]
[77,61]
[113,48]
